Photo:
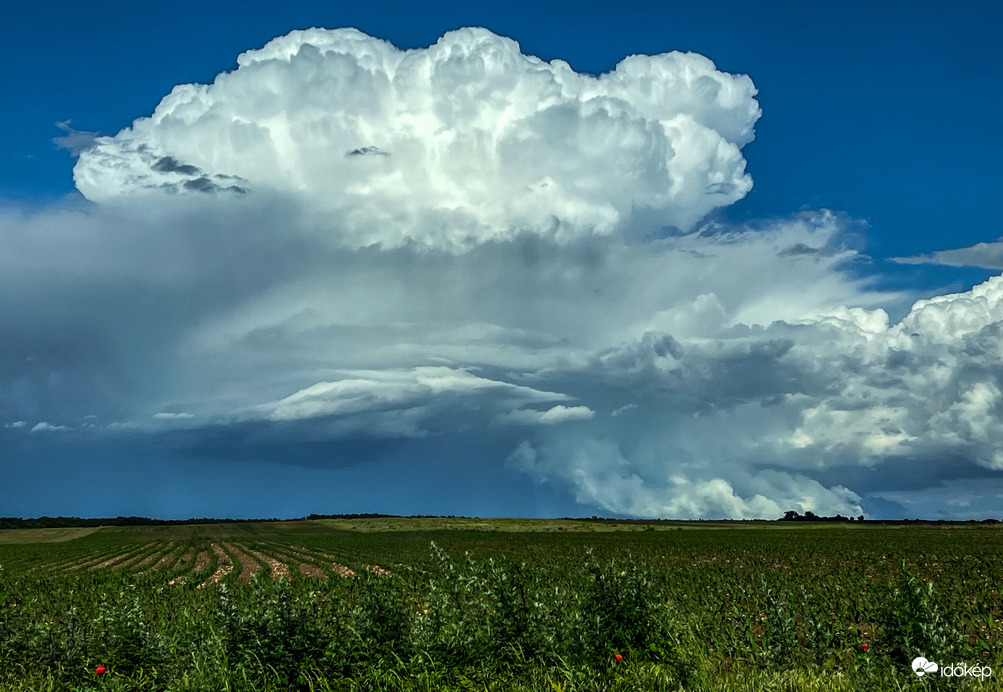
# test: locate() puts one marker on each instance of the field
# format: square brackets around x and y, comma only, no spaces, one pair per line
[464,604]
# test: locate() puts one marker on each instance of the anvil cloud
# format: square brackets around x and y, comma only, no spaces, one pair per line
[350,246]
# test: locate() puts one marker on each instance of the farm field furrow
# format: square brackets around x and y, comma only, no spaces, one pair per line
[124,559]
[249,566]
[202,563]
[185,565]
[160,550]
[75,558]
[327,561]
[225,567]
[109,556]
[309,564]
[691,607]
[276,568]
[170,560]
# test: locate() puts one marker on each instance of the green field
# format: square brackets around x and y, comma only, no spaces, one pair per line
[513,604]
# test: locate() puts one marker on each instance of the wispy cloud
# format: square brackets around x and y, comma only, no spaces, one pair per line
[985,255]
[74,141]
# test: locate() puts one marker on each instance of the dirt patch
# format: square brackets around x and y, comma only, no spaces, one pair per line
[202,561]
[298,554]
[248,565]
[186,562]
[224,568]
[275,568]
[379,571]
[342,571]
[312,571]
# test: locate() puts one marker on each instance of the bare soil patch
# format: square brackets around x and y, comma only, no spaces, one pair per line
[342,571]
[224,568]
[276,568]
[186,562]
[248,565]
[312,571]
[308,569]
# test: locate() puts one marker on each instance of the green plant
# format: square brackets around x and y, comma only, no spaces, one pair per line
[914,624]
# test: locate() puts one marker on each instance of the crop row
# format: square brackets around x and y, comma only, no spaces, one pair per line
[609,620]
[514,607]
[204,563]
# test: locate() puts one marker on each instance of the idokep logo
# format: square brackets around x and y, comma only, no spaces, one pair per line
[922,666]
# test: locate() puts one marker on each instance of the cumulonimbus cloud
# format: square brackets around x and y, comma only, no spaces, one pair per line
[465,141]
[363,242]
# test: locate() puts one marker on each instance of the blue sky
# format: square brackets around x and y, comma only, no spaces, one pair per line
[879,111]
[564,330]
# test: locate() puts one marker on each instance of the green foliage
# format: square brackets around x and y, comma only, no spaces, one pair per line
[619,610]
[382,618]
[121,635]
[781,641]
[686,609]
[273,632]
[914,624]
[484,610]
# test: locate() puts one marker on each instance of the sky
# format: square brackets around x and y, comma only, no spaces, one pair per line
[501,260]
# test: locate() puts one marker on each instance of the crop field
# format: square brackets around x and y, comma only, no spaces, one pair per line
[455,604]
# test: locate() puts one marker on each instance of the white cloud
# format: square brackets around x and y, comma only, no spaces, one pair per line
[601,474]
[74,141]
[838,389]
[164,415]
[552,416]
[986,255]
[47,427]
[411,402]
[16,424]
[465,141]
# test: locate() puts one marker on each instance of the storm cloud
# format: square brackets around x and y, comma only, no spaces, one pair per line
[463,252]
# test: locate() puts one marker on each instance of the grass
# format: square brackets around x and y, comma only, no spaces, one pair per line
[503,605]
[44,535]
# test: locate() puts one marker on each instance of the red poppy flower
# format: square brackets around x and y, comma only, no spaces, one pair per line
[865,646]
[100,669]
[619,657]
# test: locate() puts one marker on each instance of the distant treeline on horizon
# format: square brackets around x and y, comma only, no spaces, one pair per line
[80,522]
[77,522]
